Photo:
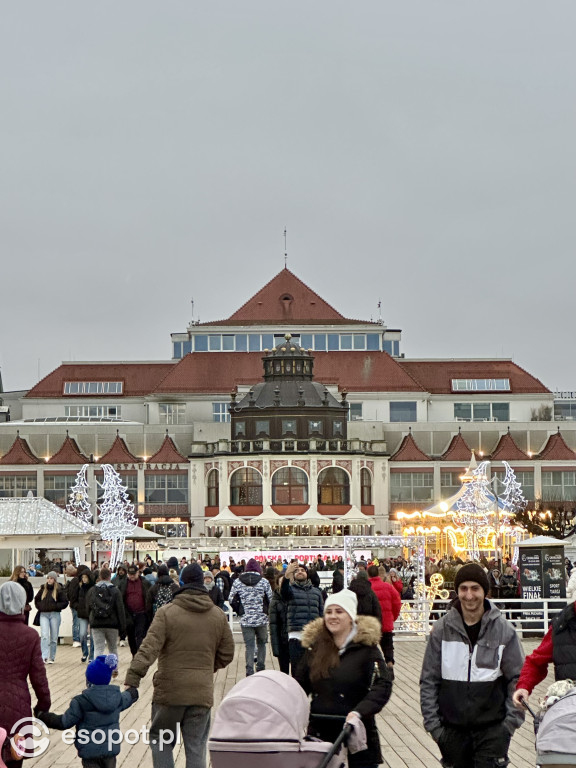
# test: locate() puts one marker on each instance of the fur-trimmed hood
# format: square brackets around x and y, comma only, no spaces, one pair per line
[369,631]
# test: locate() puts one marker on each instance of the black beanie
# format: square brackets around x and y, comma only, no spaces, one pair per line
[472,572]
[193,574]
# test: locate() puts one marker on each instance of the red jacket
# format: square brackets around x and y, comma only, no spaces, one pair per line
[20,658]
[389,600]
[535,666]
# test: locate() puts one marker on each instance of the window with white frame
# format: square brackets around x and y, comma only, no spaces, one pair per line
[480,385]
[93,411]
[93,387]
[17,485]
[559,486]
[411,486]
[403,411]
[355,412]
[220,412]
[172,413]
[57,488]
[166,489]
[482,411]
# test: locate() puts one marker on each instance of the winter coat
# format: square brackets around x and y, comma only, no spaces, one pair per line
[278,623]
[48,604]
[96,708]
[29,589]
[509,587]
[152,594]
[146,587]
[216,596]
[390,602]
[117,619]
[223,582]
[74,585]
[360,683]
[20,659]
[191,639]
[81,600]
[337,582]
[252,588]
[305,603]
[471,688]
[368,604]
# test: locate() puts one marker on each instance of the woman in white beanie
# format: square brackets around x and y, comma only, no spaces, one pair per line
[344,670]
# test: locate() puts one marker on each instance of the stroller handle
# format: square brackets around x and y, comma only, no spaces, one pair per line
[527,706]
[341,739]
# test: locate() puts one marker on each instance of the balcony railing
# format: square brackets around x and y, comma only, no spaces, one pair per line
[352,445]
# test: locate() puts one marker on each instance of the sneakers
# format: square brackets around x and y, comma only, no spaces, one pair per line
[84,658]
[122,643]
[76,644]
[50,661]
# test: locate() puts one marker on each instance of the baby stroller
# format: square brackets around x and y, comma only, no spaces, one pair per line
[262,723]
[555,731]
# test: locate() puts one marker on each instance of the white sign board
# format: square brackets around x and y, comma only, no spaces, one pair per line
[301,555]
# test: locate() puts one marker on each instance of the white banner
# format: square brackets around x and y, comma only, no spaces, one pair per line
[301,555]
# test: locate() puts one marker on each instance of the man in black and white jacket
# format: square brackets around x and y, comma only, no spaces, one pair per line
[255,595]
[471,666]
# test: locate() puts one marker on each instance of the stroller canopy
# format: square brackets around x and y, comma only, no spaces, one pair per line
[266,706]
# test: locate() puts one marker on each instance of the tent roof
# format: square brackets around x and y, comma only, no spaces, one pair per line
[36,516]
[541,541]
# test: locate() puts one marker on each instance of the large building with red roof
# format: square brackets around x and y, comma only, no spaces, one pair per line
[411,425]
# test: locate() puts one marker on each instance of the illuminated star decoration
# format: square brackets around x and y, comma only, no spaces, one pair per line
[79,504]
[117,517]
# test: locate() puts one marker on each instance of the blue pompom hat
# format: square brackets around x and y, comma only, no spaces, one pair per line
[99,671]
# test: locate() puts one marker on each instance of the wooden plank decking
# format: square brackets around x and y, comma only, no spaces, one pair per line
[405,743]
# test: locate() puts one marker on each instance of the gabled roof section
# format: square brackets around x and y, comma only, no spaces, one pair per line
[507,450]
[286,299]
[458,450]
[118,453]
[556,449]
[409,451]
[353,371]
[69,453]
[36,517]
[435,376]
[20,453]
[137,378]
[167,454]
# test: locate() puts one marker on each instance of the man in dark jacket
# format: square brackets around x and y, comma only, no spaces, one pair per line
[107,616]
[305,604]
[72,589]
[471,666]
[137,607]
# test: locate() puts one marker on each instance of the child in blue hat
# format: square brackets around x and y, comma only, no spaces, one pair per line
[97,708]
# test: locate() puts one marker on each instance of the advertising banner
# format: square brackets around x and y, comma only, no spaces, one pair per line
[301,555]
[554,572]
[531,578]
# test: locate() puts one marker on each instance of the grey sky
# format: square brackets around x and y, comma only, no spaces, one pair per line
[419,152]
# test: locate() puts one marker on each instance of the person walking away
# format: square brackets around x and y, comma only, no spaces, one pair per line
[338,577]
[97,708]
[390,605]
[191,640]
[71,573]
[137,607]
[254,595]
[162,592]
[106,614]
[368,604]
[83,611]
[215,594]
[20,662]
[20,576]
[50,601]
[72,589]
[344,671]
[470,670]
[305,603]
[278,615]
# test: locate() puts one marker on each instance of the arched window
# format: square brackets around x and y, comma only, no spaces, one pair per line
[290,486]
[212,486]
[246,487]
[333,486]
[365,487]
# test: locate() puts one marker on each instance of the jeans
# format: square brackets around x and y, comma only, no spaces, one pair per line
[194,726]
[83,634]
[296,652]
[49,626]
[103,636]
[75,626]
[475,748]
[137,631]
[258,636]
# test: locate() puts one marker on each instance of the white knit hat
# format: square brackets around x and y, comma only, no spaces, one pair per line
[345,599]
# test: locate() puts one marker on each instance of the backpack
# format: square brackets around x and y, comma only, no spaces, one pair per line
[236,605]
[163,596]
[103,603]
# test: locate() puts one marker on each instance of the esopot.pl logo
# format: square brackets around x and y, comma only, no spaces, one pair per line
[29,737]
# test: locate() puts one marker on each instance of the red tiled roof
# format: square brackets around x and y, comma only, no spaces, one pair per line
[285,299]
[137,378]
[458,450]
[20,453]
[436,376]
[69,453]
[409,451]
[167,454]
[118,453]
[556,449]
[354,371]
[507,450]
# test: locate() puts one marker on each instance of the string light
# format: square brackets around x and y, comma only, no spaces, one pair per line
[117,517]
[79,505]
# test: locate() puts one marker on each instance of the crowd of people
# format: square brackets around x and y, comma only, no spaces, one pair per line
[337,643]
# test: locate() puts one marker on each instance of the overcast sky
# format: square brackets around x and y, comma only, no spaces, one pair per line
[421,153]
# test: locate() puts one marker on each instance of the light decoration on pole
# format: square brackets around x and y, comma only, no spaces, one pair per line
[117,517]
[79,504]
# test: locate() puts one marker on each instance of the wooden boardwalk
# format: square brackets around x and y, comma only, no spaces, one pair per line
[405,743]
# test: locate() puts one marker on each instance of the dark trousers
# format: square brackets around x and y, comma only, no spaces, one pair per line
[99,762]
[284,658]
[295,653]
[137,631]
[387,645]
[475,748]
